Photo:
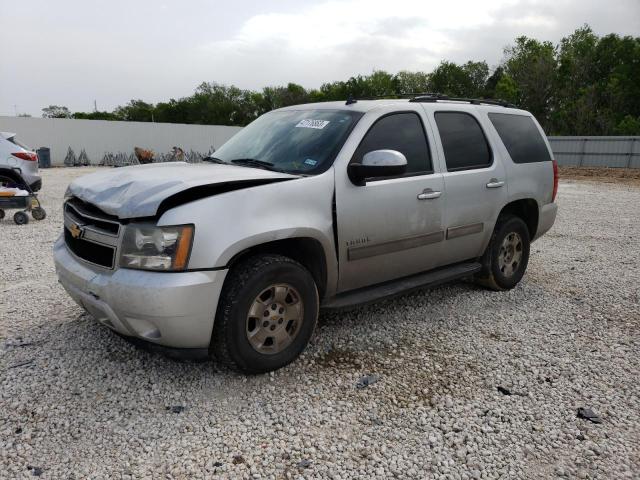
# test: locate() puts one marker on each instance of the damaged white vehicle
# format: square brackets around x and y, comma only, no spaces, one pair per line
[313,206]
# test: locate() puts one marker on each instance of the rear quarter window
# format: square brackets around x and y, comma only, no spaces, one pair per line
[521,137]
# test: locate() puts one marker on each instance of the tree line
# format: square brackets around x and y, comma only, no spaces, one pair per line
[585,85]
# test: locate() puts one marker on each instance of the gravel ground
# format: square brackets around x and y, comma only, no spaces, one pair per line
[76,401]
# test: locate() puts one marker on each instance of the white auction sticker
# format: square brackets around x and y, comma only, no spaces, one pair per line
[317,124]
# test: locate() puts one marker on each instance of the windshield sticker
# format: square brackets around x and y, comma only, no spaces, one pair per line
[311,162]
[317,124]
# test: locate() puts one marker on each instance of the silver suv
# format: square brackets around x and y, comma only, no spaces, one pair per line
[313,206]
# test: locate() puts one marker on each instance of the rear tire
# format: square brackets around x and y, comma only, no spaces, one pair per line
[1,214]
[266,314]
[21,218]
[507,256]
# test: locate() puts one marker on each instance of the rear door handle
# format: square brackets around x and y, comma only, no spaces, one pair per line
[495,183]
[428,194]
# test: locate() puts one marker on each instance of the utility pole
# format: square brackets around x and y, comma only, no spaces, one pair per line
[95,106]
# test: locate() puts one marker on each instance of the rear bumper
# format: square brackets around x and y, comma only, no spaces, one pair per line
[547,217]
[170,309]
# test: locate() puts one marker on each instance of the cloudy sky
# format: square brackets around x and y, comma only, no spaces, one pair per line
[72,52]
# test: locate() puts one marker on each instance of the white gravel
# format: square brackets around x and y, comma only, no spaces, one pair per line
[76,401]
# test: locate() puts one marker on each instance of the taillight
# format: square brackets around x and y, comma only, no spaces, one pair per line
[30,156]
[555,181]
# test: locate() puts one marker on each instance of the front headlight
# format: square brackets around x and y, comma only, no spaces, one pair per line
[148,247]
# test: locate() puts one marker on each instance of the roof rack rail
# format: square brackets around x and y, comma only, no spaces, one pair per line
[435,97]
[431,97]
[391,96]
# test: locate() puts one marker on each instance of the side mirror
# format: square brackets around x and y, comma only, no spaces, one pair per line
[379,163]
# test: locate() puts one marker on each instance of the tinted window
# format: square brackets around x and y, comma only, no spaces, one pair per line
[521,137]
[463,141]
[402,132]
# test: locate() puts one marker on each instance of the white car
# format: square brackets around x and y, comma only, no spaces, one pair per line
[15,155]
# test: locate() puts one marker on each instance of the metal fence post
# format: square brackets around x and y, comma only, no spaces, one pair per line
[584,148]
[631,151]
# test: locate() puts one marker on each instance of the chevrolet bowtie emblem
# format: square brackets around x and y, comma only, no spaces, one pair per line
[75,230]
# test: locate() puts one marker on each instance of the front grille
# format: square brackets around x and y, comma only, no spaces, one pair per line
[89,251]
[87,214]
[95,234]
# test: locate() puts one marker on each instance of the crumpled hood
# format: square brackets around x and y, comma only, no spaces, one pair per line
[138,191]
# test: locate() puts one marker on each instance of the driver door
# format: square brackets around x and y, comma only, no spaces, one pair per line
[391,227]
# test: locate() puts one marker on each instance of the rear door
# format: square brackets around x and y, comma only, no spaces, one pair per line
[474,179]
[390,227]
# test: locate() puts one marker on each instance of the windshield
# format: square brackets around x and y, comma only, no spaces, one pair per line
[293,141]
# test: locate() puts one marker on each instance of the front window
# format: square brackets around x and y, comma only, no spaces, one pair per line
[402,132]
[292,141]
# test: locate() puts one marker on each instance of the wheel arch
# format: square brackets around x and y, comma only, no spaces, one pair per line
[528,210]
[307,251]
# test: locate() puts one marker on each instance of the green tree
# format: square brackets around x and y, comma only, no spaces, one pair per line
[477,74]
[95,116]
[278,97]
[381,83]
[223,105]
[56,111]
[135,111]
[617,70]
[629,125]
[507,89]
[412,82]
[492,82]
[575,100]
[532,65]
[450,79]
[467,80]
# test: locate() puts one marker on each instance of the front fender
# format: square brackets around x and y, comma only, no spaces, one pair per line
[229,223]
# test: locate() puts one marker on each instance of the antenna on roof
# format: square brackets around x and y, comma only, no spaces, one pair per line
[350,100]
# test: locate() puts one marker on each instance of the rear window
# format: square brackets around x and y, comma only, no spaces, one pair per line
[521,137]
[15,141]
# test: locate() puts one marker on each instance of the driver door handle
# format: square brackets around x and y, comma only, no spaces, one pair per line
[495,183]
[428,194]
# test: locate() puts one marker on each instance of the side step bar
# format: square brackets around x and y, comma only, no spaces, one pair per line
[402,285]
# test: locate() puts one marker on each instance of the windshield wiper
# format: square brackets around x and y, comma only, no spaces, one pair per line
[213,160]
[252,162]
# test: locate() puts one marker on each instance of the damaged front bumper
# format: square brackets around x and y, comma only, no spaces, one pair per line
[170,309]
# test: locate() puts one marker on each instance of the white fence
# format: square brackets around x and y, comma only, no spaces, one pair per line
[100,137]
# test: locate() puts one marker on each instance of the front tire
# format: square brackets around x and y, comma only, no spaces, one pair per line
[507,255]
[266,314]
